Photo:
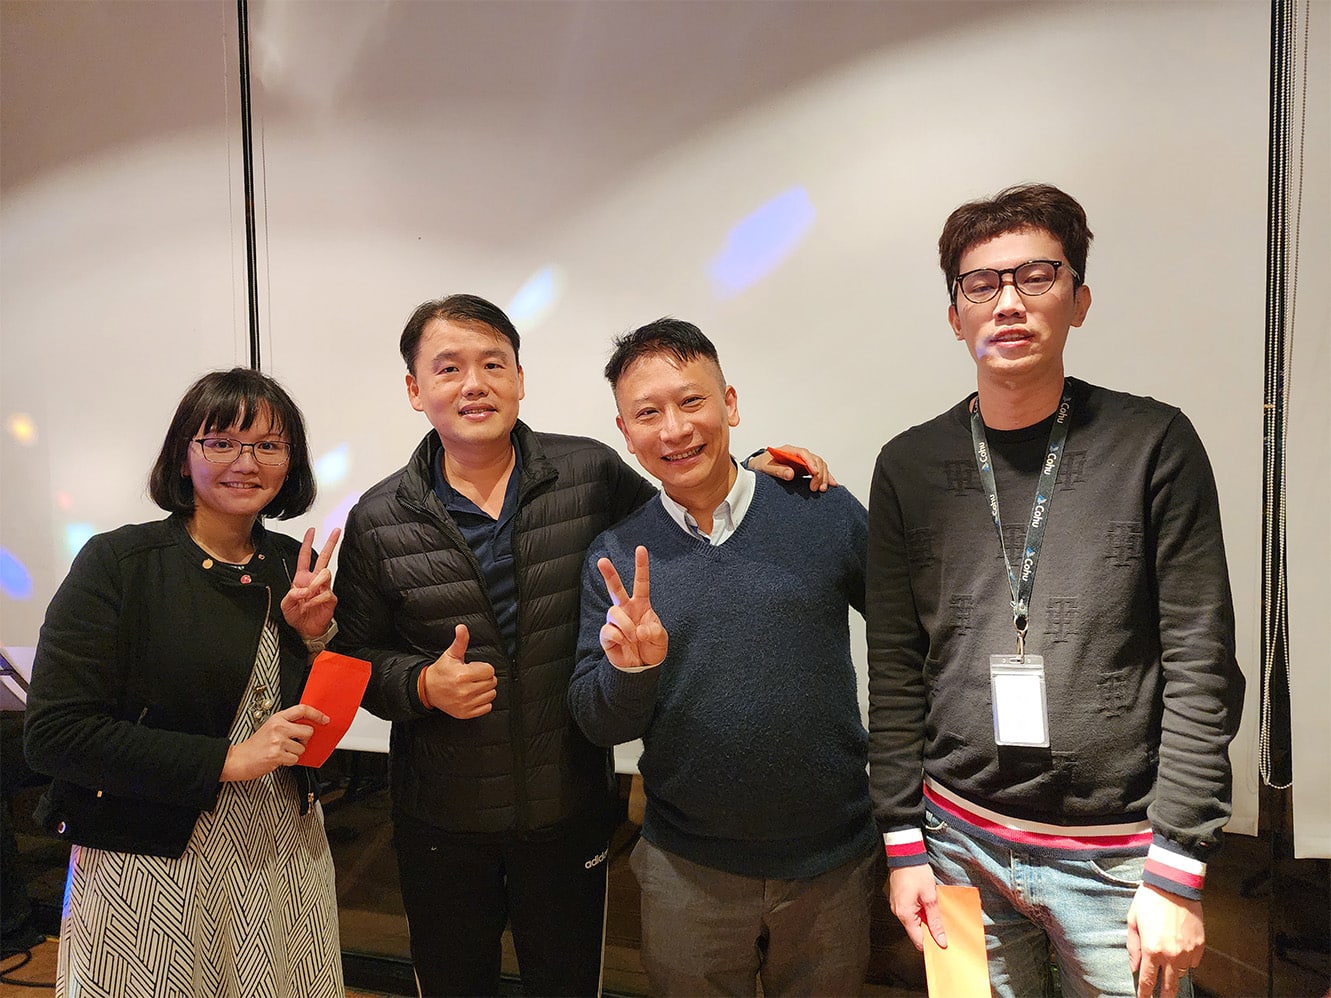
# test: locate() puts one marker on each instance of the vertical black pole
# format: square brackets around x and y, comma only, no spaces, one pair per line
[1274,690]
[247,159]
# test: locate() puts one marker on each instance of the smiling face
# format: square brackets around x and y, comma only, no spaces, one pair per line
[467,381]
[1018,340]
[234,493]
[676,419]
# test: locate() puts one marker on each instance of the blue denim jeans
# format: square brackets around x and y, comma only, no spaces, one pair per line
[1033,904]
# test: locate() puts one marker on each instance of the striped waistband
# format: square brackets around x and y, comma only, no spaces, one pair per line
[1166,868]
[1038,834]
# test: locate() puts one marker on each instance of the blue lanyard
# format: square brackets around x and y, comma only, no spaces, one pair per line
[1022,583]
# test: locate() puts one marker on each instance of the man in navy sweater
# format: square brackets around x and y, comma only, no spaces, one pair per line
[1052,682]
[459,582]
[758,858]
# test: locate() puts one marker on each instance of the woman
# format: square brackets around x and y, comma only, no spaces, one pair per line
[165,705]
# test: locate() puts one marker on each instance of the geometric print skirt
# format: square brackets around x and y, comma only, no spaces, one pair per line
[248,911]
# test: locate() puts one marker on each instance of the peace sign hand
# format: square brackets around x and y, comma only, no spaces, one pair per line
[633,635]
[309,603]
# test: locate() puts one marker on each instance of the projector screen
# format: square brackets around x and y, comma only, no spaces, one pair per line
[777,173]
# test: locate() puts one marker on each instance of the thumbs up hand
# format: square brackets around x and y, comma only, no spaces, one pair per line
[633,635]
[459,688]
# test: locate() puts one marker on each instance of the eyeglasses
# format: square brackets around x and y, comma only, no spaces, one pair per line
[1034,277]
[224,450]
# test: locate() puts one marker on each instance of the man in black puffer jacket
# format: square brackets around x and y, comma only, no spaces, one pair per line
[459,580]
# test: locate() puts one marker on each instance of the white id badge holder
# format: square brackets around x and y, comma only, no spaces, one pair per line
[1021,715]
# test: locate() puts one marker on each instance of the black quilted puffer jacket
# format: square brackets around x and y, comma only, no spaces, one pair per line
[406,577]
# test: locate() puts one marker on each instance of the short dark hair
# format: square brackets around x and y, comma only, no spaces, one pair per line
[682,340]
[218,401]
[1025,206]
[455,308]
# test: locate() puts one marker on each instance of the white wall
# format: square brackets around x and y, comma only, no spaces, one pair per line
[426,149]
[121,264]
[410,150]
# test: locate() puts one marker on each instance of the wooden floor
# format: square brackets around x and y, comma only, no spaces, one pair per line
[1266,920]
[41,970]
[619,962]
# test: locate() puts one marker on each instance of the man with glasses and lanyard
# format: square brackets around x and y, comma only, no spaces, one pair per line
[1052,679]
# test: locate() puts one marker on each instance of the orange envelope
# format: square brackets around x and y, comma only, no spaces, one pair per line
[336,685]
[961,970]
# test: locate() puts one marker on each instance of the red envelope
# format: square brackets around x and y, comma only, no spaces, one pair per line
[336,685]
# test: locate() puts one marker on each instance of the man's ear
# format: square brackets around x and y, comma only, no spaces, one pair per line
[414,393]
[954,321]
[628,441]
[732,406]
[1081,305]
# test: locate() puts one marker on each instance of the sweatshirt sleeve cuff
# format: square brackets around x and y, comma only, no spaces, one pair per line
[1173,871]
[905,847]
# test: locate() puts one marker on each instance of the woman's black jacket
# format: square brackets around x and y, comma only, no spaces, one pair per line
[145,654]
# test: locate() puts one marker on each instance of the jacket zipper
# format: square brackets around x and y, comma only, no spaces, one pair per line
[516,727]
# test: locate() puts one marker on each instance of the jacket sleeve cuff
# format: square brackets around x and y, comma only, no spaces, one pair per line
[905,847]
[212,789]
[1170,869]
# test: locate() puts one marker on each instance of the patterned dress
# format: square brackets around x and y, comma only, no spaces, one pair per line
[249,910]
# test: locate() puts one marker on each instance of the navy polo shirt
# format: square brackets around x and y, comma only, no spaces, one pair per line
[491,541]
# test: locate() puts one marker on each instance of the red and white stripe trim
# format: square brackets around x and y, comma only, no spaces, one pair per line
[1037,834]
[1184,871]
[904,842]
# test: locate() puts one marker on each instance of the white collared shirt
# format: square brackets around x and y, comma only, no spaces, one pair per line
[726,517]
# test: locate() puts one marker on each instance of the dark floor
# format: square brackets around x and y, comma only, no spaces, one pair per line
[1268,922]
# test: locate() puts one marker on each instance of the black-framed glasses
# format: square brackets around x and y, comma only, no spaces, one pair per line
[225,450]
[1034,277]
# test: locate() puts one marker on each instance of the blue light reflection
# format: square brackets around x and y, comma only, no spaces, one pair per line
[332,467]
[537,298]
[77,535]
[760,243]
[15,579]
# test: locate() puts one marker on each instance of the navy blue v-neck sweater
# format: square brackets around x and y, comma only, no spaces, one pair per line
[755,754]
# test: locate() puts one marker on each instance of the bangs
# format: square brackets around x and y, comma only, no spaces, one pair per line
[242,411]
